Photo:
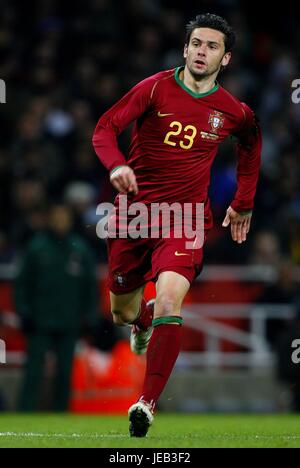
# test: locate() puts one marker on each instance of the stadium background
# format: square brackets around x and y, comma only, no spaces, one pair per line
[63,68]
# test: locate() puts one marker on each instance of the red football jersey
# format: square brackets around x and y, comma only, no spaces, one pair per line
[176,137]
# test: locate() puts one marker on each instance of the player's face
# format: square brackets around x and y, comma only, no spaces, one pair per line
[205,53]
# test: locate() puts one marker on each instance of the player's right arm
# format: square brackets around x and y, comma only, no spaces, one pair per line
[111,124]
[124,180]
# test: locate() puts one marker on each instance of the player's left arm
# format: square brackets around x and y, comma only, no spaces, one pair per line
[239,223]
[249,146]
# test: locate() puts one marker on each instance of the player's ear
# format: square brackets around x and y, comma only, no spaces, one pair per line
[226,59]
[185,50]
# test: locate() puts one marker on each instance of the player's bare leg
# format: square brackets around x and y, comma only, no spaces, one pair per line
[163,348]
[125,307]
[131,309]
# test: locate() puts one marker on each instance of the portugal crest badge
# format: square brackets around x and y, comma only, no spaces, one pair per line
[119,279]
[216,121]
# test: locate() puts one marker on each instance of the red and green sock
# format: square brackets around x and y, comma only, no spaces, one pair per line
[162,353]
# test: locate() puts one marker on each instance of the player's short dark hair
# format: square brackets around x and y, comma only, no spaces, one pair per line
[209,20]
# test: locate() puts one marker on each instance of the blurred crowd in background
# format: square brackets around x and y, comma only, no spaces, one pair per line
[63,68]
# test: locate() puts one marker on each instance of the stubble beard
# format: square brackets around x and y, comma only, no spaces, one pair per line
[199,75]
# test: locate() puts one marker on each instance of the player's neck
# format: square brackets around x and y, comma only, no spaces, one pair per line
[203,85]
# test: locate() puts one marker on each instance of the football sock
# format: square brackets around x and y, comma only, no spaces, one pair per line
[144,320]
[162,352]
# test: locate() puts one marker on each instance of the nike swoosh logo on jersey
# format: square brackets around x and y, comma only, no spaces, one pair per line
[178,254]
[164,115]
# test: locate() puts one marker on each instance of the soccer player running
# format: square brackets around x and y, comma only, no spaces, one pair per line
[181,116]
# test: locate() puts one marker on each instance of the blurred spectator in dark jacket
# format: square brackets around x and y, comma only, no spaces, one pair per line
[282,332]
[56,297]
[288,370]
[282,291]
[266,249]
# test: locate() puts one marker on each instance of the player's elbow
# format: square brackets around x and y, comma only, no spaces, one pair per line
[97,136]
[102,136]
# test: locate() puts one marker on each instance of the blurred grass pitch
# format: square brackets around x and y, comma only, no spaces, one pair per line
[168,431]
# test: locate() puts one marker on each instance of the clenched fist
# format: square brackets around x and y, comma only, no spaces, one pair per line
[123,179]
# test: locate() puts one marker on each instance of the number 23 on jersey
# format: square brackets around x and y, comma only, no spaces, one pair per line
[188,133]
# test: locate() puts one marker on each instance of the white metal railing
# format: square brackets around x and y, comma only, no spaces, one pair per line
[257,350]
[200,317]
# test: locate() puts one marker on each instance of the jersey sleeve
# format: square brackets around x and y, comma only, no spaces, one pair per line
[248,161]
[117,118]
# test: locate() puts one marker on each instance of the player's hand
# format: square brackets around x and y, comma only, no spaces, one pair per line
[239,223]
[123,179]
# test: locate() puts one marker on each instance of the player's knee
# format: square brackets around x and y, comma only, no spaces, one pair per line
[122,318]
[166,304]
[117,318]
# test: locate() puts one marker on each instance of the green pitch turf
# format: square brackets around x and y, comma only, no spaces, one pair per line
[168,431]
